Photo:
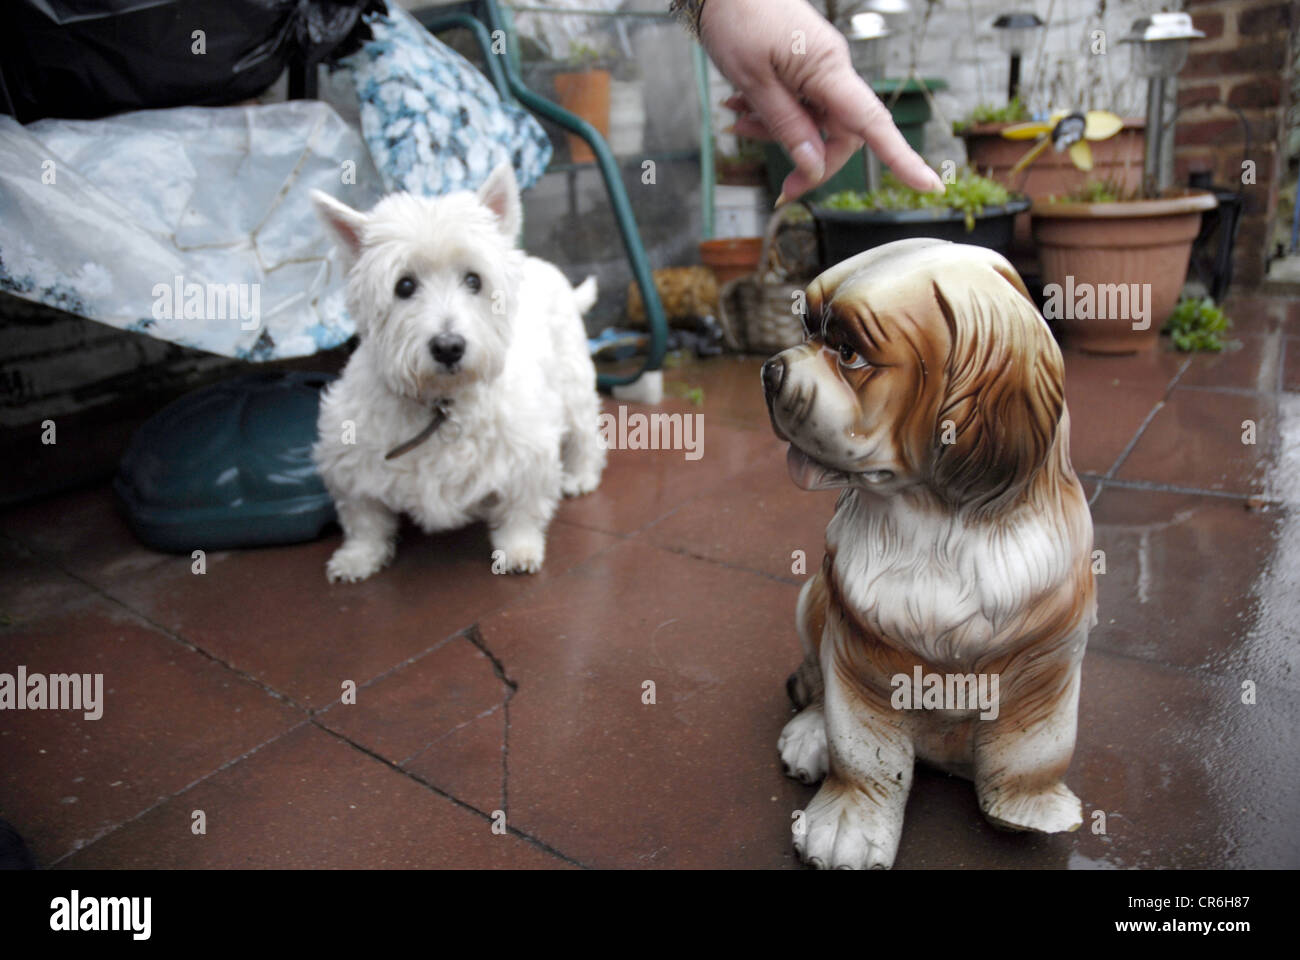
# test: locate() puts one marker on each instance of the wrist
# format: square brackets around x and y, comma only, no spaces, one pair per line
[689,13]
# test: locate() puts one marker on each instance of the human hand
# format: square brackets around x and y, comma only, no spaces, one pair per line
[792,97]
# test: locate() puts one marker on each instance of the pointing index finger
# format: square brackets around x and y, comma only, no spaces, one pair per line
[853,106]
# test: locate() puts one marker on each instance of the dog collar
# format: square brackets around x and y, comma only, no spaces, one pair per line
[440,416]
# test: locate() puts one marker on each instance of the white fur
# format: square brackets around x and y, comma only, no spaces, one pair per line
[522,400]
[939,584]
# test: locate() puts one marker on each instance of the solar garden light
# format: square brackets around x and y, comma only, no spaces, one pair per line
[886,17]
[1015,33]
[894,11]
[866,36]
[1160,44]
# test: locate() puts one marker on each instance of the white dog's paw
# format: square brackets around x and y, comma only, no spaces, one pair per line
[519,554]
[356,561]
[1053,809]
[579,484]
[843,829]
[803,746]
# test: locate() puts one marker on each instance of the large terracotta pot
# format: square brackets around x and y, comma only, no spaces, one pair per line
[1117,158]
[1129,258]
[587,95]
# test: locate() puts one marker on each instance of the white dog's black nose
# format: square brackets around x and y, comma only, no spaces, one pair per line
[447,348]
[773,374]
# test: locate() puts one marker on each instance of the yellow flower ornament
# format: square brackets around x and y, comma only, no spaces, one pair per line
[1065,130]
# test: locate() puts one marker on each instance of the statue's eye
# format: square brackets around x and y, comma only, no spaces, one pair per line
[850,359]
[405,287]
[474,282]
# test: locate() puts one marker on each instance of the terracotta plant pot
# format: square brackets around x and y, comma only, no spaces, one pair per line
[587,95]
[740,173]
[1107,266]
[1118,158]
[731,257]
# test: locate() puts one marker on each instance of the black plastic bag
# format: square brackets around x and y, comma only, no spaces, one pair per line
[91,58]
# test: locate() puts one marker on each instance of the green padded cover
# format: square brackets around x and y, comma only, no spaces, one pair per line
[228,466]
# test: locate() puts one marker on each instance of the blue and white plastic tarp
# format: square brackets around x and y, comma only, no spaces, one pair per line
[194,225]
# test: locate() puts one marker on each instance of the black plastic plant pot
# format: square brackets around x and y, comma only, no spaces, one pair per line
[844,233]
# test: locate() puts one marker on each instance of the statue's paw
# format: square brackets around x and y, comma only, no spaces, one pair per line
[1053,809]
[843,829]
[803,746]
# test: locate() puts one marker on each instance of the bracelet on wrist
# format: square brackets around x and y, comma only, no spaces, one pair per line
[688,13]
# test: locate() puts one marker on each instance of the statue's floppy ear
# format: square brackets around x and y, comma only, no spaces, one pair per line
[1004,391]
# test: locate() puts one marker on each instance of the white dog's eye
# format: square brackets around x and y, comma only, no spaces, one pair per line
[474,282]
[850,359]
[405,287]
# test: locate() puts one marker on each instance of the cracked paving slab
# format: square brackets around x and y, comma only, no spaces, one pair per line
[444,718]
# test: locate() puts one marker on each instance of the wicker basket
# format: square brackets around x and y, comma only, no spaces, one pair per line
[758,311]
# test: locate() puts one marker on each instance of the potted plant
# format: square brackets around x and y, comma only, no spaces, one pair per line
[987,115]
[1114,261]
[741,204]
[584,90]
[744,168]
[972,209]
[1113,258]
[993,154]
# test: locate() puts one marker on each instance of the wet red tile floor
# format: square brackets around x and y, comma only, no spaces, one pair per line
[501,721]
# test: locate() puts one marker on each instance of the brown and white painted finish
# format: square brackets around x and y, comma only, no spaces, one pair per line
[931,390]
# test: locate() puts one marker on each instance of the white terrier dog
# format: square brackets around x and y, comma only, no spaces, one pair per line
[472,395]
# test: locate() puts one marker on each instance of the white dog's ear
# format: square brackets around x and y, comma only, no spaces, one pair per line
[342,219]
[500,194]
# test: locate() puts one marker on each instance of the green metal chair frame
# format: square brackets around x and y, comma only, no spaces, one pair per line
[501,71]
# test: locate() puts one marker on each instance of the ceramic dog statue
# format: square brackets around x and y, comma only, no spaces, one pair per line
[949,619]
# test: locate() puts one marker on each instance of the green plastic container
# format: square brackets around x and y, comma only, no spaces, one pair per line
[228,466]
[911,112]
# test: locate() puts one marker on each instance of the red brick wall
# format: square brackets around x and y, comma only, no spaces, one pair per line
[1244,61]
